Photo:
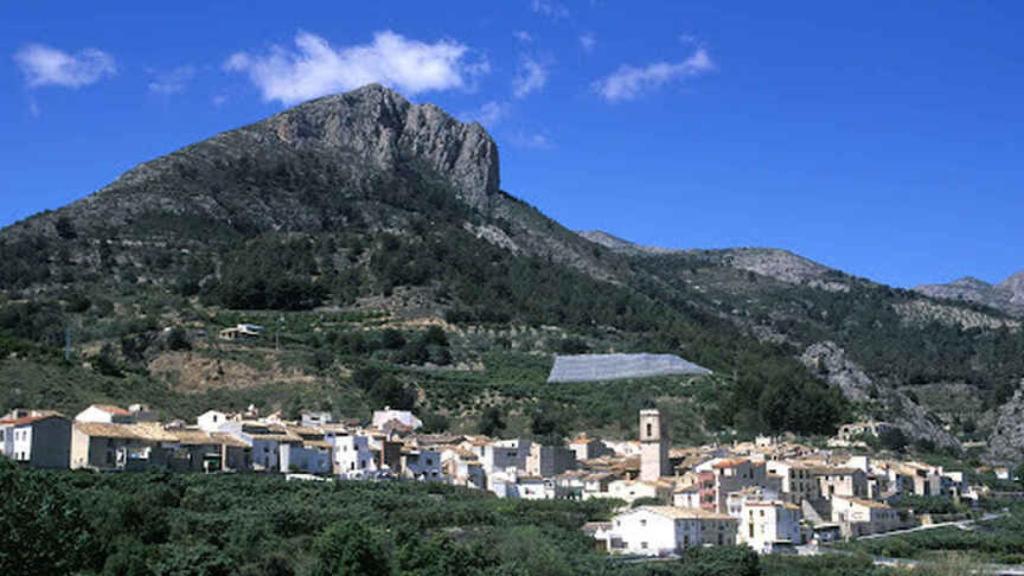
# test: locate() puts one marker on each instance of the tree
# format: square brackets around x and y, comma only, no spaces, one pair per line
[492,422]
[177,340]
[548,424]
[892,438]
[42,531]
[392,339]
[388,391]
[351,548]
[65,228]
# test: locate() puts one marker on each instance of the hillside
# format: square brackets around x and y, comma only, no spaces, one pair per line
[372,238]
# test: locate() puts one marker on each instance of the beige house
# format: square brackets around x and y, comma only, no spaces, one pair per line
[859,517]
[103,446]
[796,480]
[147,445]
[848,482]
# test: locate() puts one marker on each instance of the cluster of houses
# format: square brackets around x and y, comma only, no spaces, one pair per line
[770,494]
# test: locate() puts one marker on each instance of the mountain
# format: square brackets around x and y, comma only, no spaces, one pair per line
[372,238]
[1007,296]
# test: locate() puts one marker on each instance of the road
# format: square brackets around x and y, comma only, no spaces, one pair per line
[962,524]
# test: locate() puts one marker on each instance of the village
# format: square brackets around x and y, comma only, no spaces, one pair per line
[774,495]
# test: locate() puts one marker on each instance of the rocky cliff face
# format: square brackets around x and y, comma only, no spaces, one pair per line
[385,129]
[1006,445]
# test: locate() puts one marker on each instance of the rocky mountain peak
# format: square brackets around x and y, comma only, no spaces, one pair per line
[382,127]
[1007,296]
[1014,285]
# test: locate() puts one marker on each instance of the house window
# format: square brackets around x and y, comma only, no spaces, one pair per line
[643,545]
[649,430]
[643,522]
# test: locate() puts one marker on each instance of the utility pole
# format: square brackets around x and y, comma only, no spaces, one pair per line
[67,342]
[277,334]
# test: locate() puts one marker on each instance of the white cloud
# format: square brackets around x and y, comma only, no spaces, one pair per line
[522,36]
[629,82]
[550,8]
[315,68]
[489,114]
[48,66]
[588,41]
[172,82]
[533,141]
[219,100]
[531,76]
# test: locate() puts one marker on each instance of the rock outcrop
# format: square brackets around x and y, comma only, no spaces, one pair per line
[830,362]
[385,129]
[1006,445]
[1014,287]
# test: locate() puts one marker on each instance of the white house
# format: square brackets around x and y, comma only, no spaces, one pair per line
[859,517]
[307,456]
[687,497]
[242,332]
[463,468]
[536,488]
[266,441]
[212,421]
[104,414]
[353,457]
[768,526]
[502,455]
[630,491]
[422,464]
[39,440]
[387,416]
[667,530]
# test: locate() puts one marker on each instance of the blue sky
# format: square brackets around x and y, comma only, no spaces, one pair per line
[885,139]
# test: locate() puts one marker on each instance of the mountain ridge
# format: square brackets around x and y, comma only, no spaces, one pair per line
[1007,295]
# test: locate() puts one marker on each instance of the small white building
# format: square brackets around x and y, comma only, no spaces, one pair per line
[422,464]
[586,447]
[536,488]
[463,468]
[212,421]
[502,455]
[859,517]
[387,416]
[39,440]
[242,332]
[629,491]
[104,414]
[770,526]
[353,458]
[667,530]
